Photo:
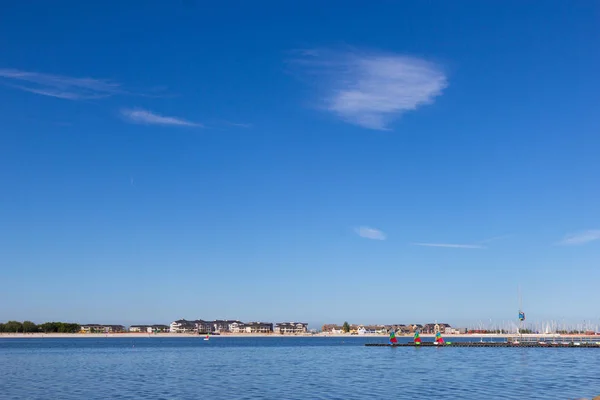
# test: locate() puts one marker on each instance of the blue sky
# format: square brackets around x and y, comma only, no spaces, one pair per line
[389,162]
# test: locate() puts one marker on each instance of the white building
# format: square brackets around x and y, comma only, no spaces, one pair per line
[182,326]
[291,327]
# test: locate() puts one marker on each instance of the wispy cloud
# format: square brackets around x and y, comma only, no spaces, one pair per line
[63,87]
[139,116]
[371,89]
[451,245]
[238,124]
[581,237]
[495,238]
[370,233]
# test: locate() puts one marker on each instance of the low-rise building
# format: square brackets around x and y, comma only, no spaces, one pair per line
[204,326]
[139,328]
[331,328]
[101,328]
[182,326]
[434,327]
[237,327]
[258,327]
[160,328]
[225,325]
[220,326]
[291,327]
[149,328]
[92,328]
[453,331]
[371,329]
[399,329]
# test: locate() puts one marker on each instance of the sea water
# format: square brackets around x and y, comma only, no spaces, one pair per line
[287,368]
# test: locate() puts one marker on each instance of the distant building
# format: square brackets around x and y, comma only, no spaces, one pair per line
[371,329]
[160,328]
[237,327]
[225,325]
[400,328]
[291,327]
[149,328]
[220,326]
[204,326]
[139,328]
[100,328]
[332,328]
[258,327]
[433,328]
[182,326]
[92,328]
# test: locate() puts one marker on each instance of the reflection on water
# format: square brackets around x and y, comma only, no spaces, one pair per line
[289,368]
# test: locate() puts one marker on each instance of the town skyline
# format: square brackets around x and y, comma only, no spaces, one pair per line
[189,324]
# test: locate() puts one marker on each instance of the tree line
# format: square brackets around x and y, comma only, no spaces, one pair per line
[46,327]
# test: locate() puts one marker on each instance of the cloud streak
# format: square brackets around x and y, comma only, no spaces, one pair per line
[370,233]
[372,89]
[139,116]
[450,245]
[581,238]
[62,87]
[239,125]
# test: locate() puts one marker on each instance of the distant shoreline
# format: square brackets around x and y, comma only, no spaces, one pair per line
[130,335]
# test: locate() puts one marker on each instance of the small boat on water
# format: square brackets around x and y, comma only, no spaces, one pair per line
[207,337]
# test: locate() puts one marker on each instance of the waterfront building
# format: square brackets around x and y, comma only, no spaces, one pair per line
[101,328]
[291,327]
[149,328]
[434,327]
[332,328]
[237,327]
[139,328]
[225,325]
[258,327]
[182,326]
[204,326]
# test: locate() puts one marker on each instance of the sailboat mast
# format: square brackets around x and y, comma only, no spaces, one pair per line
[521,315]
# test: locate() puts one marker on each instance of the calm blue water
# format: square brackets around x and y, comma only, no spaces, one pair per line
[287,368]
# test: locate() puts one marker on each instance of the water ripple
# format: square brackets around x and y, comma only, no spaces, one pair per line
[228,368]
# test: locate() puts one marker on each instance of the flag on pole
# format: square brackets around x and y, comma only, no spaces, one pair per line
[521,316]
[393,339]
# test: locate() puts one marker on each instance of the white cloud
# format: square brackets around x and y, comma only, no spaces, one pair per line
[370,233]
[451,245]
[371,89]
[63,87]
[139,116]
[581,237]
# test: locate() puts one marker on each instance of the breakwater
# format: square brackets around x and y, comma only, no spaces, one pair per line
[585,345]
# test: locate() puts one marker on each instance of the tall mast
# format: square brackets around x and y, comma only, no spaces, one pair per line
[521,313]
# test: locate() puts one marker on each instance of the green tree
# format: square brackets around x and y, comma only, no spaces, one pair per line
[49,327]
[2,328]
[346,327]
[29,327]
[13,327]
[67,327]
